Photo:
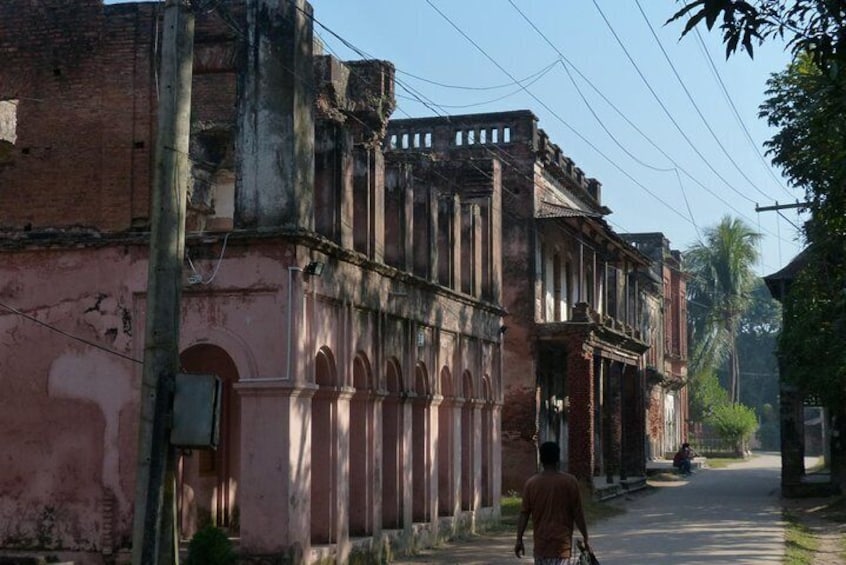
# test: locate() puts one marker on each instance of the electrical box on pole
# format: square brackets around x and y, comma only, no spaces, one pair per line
[196,411]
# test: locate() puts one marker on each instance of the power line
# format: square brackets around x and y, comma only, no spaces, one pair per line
[664,107]
[555,114]
[566,62]
[530,82]
[541,72]
[716,73]
[694,104]
[605,128]
[571,128]
[788,220]
[68,335]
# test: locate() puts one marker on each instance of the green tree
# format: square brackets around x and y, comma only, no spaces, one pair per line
[808,106]
[815,27]
[719,293]
[807,103]
[706,394]
[756,346]
[735,423]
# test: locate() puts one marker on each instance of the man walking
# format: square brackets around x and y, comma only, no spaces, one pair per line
[553,501]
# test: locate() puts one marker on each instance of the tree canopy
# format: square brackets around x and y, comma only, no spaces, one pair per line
[815,27]
[807,104]
[808,107]
[719,293]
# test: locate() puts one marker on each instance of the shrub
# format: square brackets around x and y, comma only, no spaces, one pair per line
[210,546]
[734,423]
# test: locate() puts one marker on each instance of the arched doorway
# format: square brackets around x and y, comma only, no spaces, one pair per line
[392,428]
[208,479]
[446,450]
[420,459]
[487,443]
[362,449]
[324,495]
[468,434]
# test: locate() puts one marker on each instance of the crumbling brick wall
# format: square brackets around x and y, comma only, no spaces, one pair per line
[83,113]
[84,81]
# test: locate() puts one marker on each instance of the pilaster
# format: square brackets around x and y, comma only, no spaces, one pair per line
[275,484]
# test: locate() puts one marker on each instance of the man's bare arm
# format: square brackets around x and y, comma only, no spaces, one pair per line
[522,522]
[582,525]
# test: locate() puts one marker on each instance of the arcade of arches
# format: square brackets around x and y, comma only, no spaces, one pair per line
[411,455]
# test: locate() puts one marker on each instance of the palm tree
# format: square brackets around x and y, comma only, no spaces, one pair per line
[719,292]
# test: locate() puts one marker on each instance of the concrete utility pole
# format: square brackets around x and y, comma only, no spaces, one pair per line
[778,206]
[154,527]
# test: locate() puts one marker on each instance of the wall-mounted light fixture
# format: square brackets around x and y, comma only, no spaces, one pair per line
[314,268]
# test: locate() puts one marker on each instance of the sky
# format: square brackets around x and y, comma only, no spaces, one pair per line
[673,152]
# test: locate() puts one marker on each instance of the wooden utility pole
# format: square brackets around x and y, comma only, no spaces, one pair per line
[154,528]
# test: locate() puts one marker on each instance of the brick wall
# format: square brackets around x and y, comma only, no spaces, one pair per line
[580,367]
[75,79]
[84,76]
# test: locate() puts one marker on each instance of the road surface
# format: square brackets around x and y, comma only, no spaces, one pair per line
[730,515]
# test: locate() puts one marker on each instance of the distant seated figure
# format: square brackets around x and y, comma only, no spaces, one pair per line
[683,457]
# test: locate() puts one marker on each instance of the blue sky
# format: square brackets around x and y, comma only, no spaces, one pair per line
[684,185]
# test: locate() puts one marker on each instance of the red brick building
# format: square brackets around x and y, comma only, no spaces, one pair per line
[663,315]
[361,399]
[573,351]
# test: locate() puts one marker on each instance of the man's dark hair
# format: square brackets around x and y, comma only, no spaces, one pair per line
[550,453]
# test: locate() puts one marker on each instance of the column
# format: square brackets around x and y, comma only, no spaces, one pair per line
[434,457]
[276,118]
[456,243]
[341,442]
[276,470]
[477,455]
[582,406]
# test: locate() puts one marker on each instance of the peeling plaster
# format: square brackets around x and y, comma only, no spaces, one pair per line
[105,381]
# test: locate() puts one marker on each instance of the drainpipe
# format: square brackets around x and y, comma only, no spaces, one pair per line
[291,271]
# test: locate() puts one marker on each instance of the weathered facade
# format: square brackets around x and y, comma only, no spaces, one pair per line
[573,365]
[360,353]
[663,323]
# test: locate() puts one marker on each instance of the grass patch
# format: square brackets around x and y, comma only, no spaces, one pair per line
[510,510]
[801,545]
[723,462]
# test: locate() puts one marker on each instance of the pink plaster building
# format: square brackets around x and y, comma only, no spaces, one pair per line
[573,348]
[350,305]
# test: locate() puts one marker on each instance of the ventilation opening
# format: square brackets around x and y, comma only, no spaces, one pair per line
[9,121]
